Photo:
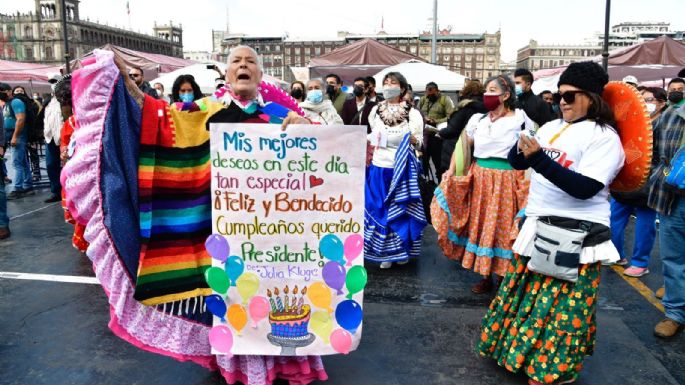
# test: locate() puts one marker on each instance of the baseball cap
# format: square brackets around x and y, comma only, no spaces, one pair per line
[630,79]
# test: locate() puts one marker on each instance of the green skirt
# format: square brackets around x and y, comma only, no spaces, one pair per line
[541,324]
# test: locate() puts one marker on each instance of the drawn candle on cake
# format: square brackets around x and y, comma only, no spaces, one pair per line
[296,307]
[278,299]
[271,300]
[301,302]
[287,303]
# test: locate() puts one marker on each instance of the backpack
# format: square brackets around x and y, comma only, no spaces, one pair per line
[32,124]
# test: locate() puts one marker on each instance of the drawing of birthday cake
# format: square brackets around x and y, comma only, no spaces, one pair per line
[289,316]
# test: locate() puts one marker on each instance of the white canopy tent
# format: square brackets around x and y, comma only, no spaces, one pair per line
[204,77]
[418,74]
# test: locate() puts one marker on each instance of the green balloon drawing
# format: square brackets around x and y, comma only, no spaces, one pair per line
[356,280]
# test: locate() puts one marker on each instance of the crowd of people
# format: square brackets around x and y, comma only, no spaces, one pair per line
[523,198]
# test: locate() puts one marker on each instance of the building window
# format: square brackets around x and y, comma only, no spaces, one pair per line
[28,32]
[28,53]
[48,53]
[412,50]
[317,51]
[297,51]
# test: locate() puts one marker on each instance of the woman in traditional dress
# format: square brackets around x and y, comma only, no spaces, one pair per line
[147,162]
[393,216]
[474,214]
[537,323]
[318,109]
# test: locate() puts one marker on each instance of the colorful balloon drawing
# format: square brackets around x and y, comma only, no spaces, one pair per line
[247,284]
[221,339]
[321,324]
[354,245]
[217,279]
[331,247]
[334,275]
[216,306]
[356,280]
[237,317]
[259,309]
[234,268]
[341,341]
[217,246]
[320,296]
[349,314]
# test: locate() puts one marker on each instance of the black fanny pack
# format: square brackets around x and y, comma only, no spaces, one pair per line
[596,232]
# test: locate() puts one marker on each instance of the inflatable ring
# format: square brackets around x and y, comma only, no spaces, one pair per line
[635,129]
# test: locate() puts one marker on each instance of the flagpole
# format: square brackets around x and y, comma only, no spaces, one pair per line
[128,11]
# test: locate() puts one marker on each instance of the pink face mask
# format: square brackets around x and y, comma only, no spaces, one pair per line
[491,101]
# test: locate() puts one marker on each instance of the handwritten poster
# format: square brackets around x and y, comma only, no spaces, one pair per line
[287,213]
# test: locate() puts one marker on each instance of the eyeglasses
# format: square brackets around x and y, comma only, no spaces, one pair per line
[133,76]
[570,96]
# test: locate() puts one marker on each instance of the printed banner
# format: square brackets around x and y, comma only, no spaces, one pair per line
[287,242]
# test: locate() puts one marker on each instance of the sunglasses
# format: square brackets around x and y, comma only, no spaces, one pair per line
[134,75]
[570,96]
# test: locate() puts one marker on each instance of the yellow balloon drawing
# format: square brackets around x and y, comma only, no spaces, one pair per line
[322,325]
[320,295]
[237,317]
[247,284]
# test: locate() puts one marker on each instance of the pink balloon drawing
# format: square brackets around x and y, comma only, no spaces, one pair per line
[221,339]
[341,341]
[354,245]
[259,309]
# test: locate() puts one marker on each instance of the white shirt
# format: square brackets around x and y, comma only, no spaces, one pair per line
[322,113]
[52,123]
[495,139]
[387,139]
[588,149]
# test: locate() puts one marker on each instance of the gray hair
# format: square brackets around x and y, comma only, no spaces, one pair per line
[322,83]
[247,47]
[505,84]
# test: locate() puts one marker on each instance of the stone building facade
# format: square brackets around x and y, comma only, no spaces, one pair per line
[37,36]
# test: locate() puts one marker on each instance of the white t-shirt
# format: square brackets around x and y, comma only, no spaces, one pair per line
[495,139]
[588,149]
[387,139]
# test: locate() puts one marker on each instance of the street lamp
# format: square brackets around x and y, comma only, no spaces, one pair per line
[65,37]
[605,53]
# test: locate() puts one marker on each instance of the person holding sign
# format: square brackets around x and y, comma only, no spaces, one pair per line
[393,232]
[147,209]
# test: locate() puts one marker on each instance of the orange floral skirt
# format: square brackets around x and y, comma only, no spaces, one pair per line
[474,217]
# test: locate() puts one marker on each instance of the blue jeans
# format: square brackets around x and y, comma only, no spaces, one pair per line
[645,231]
[54,166]
[672,241]
[22,169]
[4,220]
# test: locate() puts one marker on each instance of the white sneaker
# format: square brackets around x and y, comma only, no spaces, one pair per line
[386,265]
[402,262]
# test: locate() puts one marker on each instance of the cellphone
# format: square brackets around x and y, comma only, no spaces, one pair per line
[210,66]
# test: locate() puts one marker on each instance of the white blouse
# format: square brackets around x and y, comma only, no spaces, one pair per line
[387,139]
[495,139]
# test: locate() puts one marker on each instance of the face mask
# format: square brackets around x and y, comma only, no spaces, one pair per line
[159,93]
[519,89]
[358,91]
[315,96]
[391,92]
[187,97]
[491,101]
[330,90]
[651,108]
[432,98]
[296,93]
[675,97]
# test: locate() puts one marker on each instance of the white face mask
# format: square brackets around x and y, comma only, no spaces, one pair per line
[651,108]
[391,92]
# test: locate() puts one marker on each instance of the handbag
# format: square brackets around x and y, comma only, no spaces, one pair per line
[675,172]
[556,250]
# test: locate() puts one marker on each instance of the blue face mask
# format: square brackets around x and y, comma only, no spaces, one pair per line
[187,97]
[519,89]
[315,96]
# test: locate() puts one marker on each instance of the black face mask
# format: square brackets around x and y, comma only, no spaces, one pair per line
[675,97]
[330,90]
[358,91]
[432,98]
[296,93]
[4,97]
